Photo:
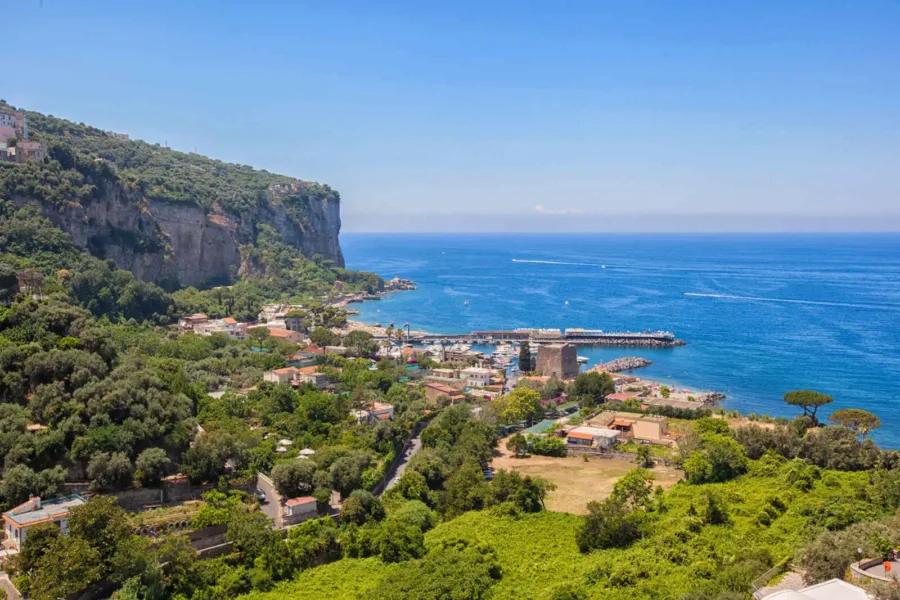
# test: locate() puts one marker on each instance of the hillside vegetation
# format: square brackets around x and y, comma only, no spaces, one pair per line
[156,172]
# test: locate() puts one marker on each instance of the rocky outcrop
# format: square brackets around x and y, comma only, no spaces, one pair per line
[626,363]
[180,243]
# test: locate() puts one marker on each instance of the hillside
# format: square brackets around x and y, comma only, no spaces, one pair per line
[168,217]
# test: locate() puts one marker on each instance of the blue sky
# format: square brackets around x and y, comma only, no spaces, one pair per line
[471,115]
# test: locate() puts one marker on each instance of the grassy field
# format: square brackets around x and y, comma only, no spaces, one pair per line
[577,482]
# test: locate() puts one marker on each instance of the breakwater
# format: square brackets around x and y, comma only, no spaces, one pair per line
[581,337]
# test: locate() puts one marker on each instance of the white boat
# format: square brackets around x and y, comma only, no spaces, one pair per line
[582,360]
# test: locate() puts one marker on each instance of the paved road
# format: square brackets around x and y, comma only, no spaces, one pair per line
[5,584]
[416,445]
[272,507]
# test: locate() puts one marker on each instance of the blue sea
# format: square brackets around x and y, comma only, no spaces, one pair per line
[761,314]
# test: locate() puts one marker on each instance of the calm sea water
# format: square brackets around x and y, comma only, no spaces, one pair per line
[761,314]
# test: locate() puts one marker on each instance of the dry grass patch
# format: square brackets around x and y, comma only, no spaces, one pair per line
[577,482]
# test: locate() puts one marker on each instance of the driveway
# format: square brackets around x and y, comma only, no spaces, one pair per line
[415,446]
[272,507]
[6,585]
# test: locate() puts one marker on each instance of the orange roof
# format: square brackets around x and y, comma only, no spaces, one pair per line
[307,370]
[622,422]
[280,333]
[313,349]
[300,500]
[285,370]
[229,320]
[580,435]
[441,388]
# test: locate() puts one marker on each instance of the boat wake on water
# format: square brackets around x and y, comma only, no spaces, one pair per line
[557,262]
[792,301]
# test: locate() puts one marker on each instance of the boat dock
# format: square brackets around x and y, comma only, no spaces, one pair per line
[581,337]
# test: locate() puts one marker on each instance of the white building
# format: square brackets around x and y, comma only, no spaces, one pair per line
[476,376]
[833,589]
[228,326]
[20,519]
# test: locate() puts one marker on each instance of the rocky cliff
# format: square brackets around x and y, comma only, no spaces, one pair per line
[171,217]
[180,243]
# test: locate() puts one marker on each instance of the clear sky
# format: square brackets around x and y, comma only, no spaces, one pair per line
[499,115]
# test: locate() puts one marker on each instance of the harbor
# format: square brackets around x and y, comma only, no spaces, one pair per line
[577,336]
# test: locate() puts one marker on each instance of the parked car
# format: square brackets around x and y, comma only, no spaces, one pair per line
[261,496]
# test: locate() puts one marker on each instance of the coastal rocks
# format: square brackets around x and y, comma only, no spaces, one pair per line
[626,363]
[710,398]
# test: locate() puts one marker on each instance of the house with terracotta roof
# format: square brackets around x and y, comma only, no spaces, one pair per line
[186,324]
[294,337]
[434,390]
[295,376]
[378,411]
[297,510]
[20,519]
[623,396]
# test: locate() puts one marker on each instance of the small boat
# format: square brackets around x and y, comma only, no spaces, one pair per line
[567,302]
[602,266]
[466,303]
[582,360]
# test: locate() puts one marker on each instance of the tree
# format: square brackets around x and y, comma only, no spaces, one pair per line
[361,507]
[665,391]
[645,456]
[294,478]
[465,490]
[592,388]
[9,283]
[259,335]
[102,523]
[151,465]
[38,541]
[717,458]
[635,489]
[251,533]
[110,470]
[517,444]
[400,542]
[810,401]
[608,524]
[322,337]
[525,362]
[360,342]
[522,404]
[346,473]
[69,567]
[861,422]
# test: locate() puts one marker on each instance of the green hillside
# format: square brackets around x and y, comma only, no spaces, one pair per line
[155,171]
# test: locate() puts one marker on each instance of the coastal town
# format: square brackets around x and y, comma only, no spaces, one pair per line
[199,400]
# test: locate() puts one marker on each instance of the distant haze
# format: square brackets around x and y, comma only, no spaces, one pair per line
[502,115]
[583,223]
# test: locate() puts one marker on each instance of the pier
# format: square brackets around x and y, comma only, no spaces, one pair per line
[581,337]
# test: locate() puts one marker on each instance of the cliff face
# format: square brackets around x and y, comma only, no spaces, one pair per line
[179,243]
